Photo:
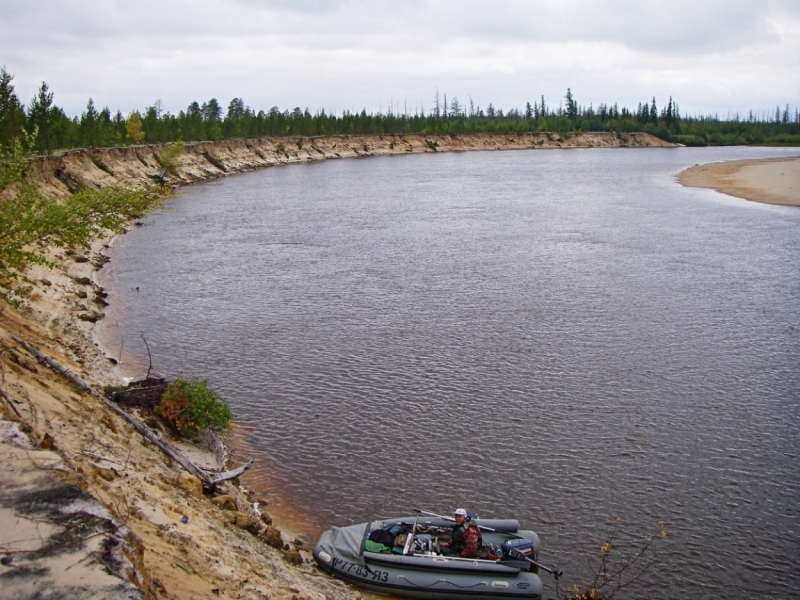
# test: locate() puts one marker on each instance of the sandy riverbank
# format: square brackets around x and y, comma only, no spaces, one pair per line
[138,166]
[769,180]
[89,508]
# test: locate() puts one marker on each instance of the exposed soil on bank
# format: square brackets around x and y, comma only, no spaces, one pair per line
[91,509]
[138,166]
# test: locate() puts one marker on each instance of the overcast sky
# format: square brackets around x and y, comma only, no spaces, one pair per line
[710,55]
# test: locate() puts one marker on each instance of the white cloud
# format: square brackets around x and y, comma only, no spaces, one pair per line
[350,54]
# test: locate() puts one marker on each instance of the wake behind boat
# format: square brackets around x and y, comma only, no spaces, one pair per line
[408,556]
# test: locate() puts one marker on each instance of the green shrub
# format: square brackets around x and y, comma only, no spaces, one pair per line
[784,139]
[167,158]
[280,147]
[216,161]
[190,406]
[725,139]
[98,162]
[31,224]
[689,140]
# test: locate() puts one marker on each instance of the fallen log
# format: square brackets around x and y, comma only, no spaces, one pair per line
[209,479]
[145,393]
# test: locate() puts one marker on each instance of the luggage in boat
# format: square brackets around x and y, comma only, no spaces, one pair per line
[419,570]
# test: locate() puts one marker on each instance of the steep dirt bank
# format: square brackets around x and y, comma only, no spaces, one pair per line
[138,166]
[88,507]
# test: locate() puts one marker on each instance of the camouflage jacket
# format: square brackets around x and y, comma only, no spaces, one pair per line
[467,540]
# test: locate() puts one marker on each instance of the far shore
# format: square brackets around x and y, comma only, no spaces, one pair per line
[140,166]
[768,180]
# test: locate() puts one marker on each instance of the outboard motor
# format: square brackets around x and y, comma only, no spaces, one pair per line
[520,544]
[517,552]
[521,551]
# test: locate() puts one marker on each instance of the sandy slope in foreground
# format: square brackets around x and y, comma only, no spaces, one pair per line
[769,180]
[88,508]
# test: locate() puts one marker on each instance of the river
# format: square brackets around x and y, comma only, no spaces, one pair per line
[563,336]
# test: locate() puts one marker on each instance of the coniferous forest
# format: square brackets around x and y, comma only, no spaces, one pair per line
[99,127]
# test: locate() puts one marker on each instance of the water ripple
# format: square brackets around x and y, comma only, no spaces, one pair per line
[565,337]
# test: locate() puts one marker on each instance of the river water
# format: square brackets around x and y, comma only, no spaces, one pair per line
[563,336]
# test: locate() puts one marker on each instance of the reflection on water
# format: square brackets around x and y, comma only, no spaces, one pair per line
[562,336]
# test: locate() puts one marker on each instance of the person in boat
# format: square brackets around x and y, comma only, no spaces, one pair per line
[467,540]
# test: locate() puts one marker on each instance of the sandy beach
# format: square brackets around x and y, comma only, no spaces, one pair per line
[769,180]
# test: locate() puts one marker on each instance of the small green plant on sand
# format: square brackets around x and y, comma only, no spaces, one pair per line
[167,159]
[190,406]
[30,223]
[621,563]
[100,164]
[216,161]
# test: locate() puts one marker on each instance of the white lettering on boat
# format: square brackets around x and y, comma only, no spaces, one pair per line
[362,571]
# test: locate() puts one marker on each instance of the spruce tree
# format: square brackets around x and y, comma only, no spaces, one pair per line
[668,113]
[12,115]
[40,115]
[89,125]
[572,106]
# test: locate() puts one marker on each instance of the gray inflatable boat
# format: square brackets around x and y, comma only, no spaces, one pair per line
[414,566]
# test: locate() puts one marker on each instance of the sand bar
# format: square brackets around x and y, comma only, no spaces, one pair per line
[769,180]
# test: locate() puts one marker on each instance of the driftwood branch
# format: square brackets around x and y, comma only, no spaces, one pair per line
[210,479]
[10,403]
[220,477]
[149,358]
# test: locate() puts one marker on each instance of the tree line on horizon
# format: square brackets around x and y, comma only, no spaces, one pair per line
[208,122]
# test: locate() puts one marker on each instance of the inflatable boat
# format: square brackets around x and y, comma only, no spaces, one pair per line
[415,564]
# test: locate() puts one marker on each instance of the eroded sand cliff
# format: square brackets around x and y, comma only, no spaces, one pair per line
[138,165]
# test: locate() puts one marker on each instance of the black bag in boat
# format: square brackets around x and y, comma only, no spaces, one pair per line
[382,536]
